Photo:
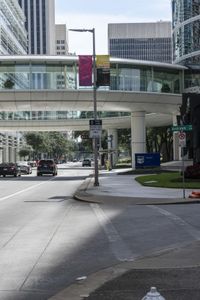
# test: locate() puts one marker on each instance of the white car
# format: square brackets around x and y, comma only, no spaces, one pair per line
[25,167]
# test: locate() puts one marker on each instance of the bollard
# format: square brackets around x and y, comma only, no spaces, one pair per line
[153,295]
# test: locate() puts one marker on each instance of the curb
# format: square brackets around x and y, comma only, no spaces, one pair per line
[160,260]
[82,194]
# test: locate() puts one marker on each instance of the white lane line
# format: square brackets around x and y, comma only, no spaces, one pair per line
[25,190]
[119,248]
[195,233]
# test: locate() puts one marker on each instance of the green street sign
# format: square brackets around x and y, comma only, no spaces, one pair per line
[182,128]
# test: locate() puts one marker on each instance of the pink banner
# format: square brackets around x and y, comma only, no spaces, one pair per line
[85,70]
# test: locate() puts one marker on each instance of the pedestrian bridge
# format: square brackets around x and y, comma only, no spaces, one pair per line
[150,92]
[37,85]
[50,83]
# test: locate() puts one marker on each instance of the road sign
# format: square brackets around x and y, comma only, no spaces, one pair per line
[182,139]
[95,128]
[182,128]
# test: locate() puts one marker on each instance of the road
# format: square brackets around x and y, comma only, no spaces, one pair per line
[48,240]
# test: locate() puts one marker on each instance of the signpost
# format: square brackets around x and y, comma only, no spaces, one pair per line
[182,139]
[182,144]
[95,128]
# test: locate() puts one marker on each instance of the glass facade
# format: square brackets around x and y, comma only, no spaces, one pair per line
[186,31]
[153,49]
[56,115]
[40,25]
[56,75]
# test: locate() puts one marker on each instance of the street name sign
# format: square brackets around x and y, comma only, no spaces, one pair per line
[182,128]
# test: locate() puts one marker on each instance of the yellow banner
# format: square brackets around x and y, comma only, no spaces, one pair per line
[103,61]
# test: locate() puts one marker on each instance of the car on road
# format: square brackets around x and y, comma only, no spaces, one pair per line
[86,162]
[47,166]
[11,169]
[25,167]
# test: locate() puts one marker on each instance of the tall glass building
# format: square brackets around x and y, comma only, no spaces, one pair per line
[13,41]
[13,36]
[40,25]
[143,41]
[186,31]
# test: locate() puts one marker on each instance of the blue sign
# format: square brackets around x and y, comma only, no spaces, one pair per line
[145,160]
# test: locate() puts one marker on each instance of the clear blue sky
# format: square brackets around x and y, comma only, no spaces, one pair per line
[97,14]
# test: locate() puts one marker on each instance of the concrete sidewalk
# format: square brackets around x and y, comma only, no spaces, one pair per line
[175,272]
[123,189]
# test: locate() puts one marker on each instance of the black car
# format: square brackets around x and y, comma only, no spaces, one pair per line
[86,162]
[47,166]
[9,169]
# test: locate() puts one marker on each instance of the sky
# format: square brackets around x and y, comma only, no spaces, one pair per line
[88,14]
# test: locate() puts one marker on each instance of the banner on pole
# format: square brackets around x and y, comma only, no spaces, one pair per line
[85,70]
[103,70]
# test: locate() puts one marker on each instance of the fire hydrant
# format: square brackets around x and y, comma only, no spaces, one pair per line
[153,295]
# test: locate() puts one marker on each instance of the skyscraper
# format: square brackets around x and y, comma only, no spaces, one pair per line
[13,39]
[40,25]
[143,41]
[61,39]
[186,31]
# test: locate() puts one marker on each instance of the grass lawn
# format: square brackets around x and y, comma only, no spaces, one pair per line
[168,180]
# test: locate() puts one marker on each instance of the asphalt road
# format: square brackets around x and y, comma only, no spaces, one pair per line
[48,240]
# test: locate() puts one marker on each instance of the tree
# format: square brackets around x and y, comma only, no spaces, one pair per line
[25,152]
[38,141]
[8,84]
[165,88]
[160,139]
[54,144]
[124,138]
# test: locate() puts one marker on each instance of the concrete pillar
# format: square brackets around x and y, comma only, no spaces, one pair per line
[138,134]
[6,149]
[11,149]
[176,148]
[113,145]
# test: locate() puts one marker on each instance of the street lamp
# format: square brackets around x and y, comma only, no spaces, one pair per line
[96,175]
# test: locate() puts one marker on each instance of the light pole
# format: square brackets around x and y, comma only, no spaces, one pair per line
[96,171]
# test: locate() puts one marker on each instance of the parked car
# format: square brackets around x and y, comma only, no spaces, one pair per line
[47,166]
[9,169]
[25,167]
[86,162]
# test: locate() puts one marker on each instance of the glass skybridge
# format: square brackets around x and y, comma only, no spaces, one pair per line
[61,73]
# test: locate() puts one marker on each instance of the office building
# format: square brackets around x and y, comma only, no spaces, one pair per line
[13,39]
[186,32]
[61,38]
[40,25]
[142,41]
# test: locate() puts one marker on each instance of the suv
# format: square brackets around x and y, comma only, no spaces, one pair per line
[86,162]
[46,166]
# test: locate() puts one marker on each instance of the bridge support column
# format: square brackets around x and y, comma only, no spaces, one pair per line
[6,149]
[12,149]
[138,134]
[112,146]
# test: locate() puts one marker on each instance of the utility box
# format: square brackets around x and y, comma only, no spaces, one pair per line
[147,160]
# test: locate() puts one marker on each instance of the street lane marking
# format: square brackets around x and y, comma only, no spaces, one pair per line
[195,233]
[118,246]
[25,190]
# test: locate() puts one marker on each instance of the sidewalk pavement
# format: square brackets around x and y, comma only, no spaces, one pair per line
[175,272]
